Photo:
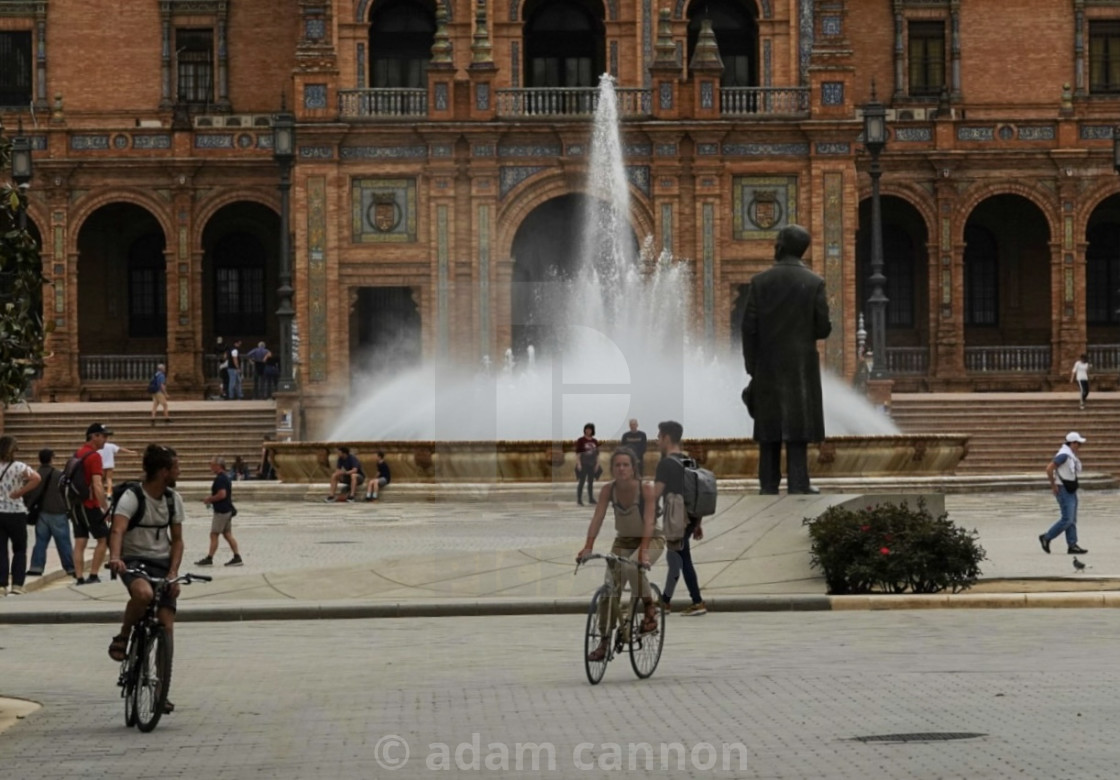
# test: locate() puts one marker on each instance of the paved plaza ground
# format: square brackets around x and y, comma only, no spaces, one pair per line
[854,694]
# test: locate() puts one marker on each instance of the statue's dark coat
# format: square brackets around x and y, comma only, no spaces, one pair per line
[787,312]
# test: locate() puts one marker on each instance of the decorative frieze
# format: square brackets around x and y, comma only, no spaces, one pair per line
[763,205]
[974,133]
[638,175]
[87,142]
[214,141]
[512,175]
[838,148]
[383,152]
[913,134]
[160,141]
[522,150]
[316,152]
[766,150]
[383,210]
[1096,132]
[1037,133]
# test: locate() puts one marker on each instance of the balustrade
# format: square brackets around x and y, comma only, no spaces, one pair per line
[383,103]
[750,101]
[1026,359]
[579,102]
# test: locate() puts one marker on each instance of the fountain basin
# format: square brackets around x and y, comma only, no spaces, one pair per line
[909,455]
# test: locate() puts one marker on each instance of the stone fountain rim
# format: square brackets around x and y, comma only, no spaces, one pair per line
[387,443]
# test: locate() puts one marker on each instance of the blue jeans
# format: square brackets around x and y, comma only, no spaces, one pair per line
[55,527]
[1067,503]
[681,562]
[235,384]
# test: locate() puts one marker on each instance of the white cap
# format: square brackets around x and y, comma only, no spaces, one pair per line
[1074,436]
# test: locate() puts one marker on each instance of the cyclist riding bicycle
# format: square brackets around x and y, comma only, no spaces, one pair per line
[637,537]
[156,543]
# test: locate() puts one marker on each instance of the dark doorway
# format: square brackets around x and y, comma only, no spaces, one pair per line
[385,333]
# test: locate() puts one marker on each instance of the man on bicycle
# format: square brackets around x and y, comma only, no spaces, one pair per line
[156,541]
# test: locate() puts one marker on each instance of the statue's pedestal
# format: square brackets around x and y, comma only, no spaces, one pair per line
[879,393]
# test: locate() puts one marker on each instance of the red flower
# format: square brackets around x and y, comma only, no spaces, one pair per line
[885,550]
[865,528]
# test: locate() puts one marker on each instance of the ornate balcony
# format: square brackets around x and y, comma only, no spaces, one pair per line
[382,103]
[568,102]
[764,101]
[1032,359]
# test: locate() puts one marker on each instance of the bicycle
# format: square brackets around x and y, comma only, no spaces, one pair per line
[146,669]
[645,647]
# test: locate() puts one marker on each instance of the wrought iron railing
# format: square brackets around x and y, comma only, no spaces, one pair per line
[578,102]
[383,103]
[119,368]
[1104,357]
[750,101]
[908,360]
[1032,359]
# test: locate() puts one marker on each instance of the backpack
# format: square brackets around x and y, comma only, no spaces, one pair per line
[153,386]
[73,484]
[699,488]
[141,506]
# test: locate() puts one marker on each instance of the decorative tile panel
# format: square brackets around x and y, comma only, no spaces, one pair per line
[89,142]
[665,95]
[212,141]
[805,51]
[38,142]
[707,150]
[667,228]
[614,59]
[442,150]
[510,176]
[1096,132]
[383,152]
[383,211]
[766,150]
[913,134]
[519,150]
[767,71]
[709,257]
[120,141]
[832,26]
[482,150]
[361,66]
[161,141]
[575,150]
[707,94]
[1006,132]
[832,93]
[515,62]
[842,147]
[637,150]
[647,41]
[443,274]
[314,96]
[317,297]
[441,98]
[665,150]
[483,227]
[264,141]
[315,29]
[482,96]
[763,205]
[973,133]
[638,175]
[833,270]
[316,152]
[1037,133]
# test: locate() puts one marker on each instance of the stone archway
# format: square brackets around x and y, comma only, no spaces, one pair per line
[1102,276]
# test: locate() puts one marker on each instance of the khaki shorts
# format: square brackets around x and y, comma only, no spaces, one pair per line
[222,522]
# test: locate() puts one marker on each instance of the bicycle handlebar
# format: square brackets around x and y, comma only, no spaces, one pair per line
[609,558]
[185,579]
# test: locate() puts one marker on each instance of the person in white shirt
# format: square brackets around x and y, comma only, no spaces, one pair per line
[1080,375]
[109,458]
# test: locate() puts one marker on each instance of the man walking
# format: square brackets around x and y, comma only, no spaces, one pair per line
[1063,472]
[636,440]
[88,516]
[235,393]
[52,522]
[221,501]
[669,481]
[159,393]
[786,313]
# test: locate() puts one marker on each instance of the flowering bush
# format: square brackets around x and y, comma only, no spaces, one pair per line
[893,548]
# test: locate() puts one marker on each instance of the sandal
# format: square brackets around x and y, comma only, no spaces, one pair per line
[599,653]
[118,648]
[650,624]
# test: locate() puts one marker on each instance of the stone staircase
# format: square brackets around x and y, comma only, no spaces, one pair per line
[1016,432]
[198,431]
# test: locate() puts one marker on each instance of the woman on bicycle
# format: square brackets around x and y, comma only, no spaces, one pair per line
[637,536]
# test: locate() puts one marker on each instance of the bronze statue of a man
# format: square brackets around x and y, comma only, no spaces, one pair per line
[787,312]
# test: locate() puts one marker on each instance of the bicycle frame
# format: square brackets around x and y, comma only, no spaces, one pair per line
[610,634]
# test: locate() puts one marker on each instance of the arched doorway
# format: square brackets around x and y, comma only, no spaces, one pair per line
[906,268]
[401,34]
[564,43]
[547,251]
[1102,281]
[241,249]
[122,294]
[1007,287]
[735,25]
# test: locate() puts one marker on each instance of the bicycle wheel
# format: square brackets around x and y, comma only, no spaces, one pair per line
[129,669]
[153,680]
[596,638]
[645,648]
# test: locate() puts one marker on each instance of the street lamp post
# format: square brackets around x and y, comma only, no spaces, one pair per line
[283,151]
[21,171]
[875,140]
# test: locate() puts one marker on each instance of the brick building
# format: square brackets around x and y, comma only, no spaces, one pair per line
[437,140]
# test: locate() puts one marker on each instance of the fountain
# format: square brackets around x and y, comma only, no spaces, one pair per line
[621,346]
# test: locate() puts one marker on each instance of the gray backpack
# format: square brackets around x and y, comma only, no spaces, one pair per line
[700,489]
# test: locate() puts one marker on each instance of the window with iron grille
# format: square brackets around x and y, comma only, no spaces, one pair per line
[15,68]
[1102,275]
[981,277]
[1104,56]
[194,57]
[400,42]
[147,287]
[927,58]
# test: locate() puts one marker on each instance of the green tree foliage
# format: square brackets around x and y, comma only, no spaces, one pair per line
[21,291]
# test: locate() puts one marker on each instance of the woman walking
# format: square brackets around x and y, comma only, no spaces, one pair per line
[1080,375]
[16,480]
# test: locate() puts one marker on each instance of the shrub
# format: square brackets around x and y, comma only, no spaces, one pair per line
[893,548]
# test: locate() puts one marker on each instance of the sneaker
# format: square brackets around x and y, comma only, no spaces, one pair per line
[349,498]
[17,590]
[368,499]
[695,610]
[664,605]
[329,500]
[235,561]
[1045,543]
[93,579]
[34,574]
[207,561]
[1076,550]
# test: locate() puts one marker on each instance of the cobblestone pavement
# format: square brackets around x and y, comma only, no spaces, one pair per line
[815,695]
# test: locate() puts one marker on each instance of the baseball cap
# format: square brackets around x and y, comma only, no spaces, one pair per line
[1074,436]
[97,428]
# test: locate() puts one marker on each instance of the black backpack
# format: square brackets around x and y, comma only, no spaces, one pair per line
[153,386]
[141,506]
[73,484]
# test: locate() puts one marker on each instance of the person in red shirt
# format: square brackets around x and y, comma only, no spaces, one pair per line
[89,516]
[587,463]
